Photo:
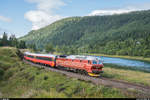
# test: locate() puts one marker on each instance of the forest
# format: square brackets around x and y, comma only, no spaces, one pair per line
[12,41]
[122,34]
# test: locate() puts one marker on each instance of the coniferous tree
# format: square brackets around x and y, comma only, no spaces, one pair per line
[22,45]
[0,42]
[4,39]
[13,41]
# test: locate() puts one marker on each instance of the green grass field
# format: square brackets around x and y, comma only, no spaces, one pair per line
[126,74]
[21,80]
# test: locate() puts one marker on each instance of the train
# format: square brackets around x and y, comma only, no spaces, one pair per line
[88,65]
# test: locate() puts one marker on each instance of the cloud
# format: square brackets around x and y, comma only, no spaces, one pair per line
[40,19]
[109,12]
[44,13]
[5,19]
[47,5]
[127,9]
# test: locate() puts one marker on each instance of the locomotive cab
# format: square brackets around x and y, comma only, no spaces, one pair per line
[96,67]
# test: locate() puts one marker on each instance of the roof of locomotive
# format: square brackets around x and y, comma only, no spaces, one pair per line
[83,57]
[36,54]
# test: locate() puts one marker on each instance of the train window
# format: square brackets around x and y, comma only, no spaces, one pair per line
[99,62]
[94,62]
[62,56]
[44,58]
[30,56]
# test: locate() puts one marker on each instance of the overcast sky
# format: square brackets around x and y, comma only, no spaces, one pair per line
[21,16]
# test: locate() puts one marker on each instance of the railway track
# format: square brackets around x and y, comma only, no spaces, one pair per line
[101,80]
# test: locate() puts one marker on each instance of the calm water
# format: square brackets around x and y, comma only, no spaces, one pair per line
[127,63]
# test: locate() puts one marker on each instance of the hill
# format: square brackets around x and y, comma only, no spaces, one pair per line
[124,34]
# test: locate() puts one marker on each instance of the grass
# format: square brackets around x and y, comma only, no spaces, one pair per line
[126,74]
[20,80]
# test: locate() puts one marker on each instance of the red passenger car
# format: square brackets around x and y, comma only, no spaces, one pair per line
[47,59]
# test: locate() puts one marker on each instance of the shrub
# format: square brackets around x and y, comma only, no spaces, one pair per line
[1,73]
[146,53]
[122,52]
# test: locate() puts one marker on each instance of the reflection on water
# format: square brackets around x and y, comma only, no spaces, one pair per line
[127,62]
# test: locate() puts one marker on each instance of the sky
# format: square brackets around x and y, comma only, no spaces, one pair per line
[21,16]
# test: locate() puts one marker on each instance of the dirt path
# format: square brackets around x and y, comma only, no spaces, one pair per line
[145,90]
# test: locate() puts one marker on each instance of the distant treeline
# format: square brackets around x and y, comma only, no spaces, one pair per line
[128,47]
[12,41]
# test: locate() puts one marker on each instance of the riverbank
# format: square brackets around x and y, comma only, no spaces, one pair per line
[140,58]
[126,74]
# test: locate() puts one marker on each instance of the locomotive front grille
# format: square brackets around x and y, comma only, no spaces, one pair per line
[97,71]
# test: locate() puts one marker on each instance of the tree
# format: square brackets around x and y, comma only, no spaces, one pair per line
[22,45]
[146,53]
[32,46]
[64,49]
[4,40]
[0,42]
[13,41]
[71,51]
[1,73]
[49,48]
[57,49]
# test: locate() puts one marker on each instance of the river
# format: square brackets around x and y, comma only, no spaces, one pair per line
[127,63]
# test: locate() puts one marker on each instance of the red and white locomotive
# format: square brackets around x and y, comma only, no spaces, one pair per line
[77,63]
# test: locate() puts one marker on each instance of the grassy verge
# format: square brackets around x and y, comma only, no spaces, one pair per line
[24,81]
[126,74]
[147,59]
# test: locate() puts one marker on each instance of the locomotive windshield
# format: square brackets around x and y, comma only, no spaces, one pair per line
[97,62]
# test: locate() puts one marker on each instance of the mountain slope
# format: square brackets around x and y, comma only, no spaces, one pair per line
[94,31]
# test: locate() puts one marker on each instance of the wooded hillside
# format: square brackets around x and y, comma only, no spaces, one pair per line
[124,34]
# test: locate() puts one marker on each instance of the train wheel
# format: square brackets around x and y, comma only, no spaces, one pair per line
[83,72]
[77,71]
